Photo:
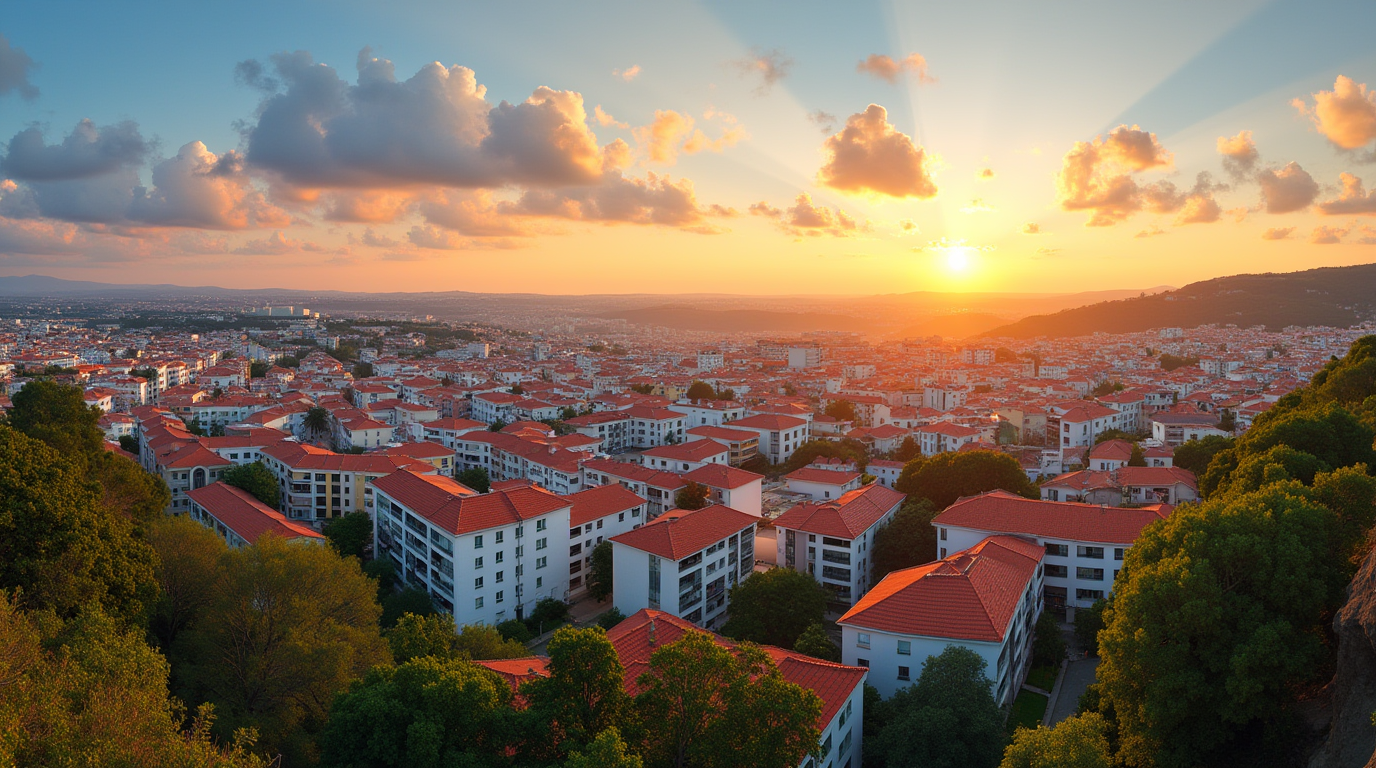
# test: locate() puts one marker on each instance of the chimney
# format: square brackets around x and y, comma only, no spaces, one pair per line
[652,633]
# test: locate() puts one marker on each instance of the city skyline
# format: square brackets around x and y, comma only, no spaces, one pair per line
[750,151]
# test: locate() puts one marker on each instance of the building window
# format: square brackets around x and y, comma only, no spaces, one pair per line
[1090,553]
[478,583]
[498,537]
[903,674]
[905,648]
[862,640]
[943,533]
[500,576]
[477,542]
[541,543]
[539,581]
[1057,571]
[478,603]
[1089,574]
[1058,550]
[499,597]
[1117,553]
[477,562]
[862,663]
[1089,594]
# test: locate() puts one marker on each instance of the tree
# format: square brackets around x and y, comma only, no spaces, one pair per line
[700,390]
[947,719]
[815,643]
[286,629]
[58,545]
[1106,388]
[907,450]
[126,489]
[849,450]
[1088,623]
[515,631]
[946,477]
[351,535]
[606,751]
[1329,432]
[1195,455]
[497,426]
[908,539]
[128,444]
[425,712]
[57,414]
[416,636]
[714,707]
[398,604]
[692,496]
[257,369]
[600,574]
[584,693]
[517,389]
[475,478]
[362,370]
[841,410]
[255,478]
[547,614]
[1216,618]
[610,618]
[1077,742]
[316,421]
[188,556]
[89,691]
[1170,362]
[775,607]
[1137,458]
[1048,649]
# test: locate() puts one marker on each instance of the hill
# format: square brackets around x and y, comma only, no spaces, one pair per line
[1332,296]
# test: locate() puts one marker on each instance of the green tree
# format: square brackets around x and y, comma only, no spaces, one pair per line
[849,450]
[475,478]
[350,535]
[1077,742]
[907,450]
[188,557]
[255,478]
[58,415]
[905,541]
[1088,623]
[692,496]
[316,421]
[1170,362]
[1137,458]
[1106,388]
[946,477]
[841,410]
[700,390]
[126,489]
[58,545]
[287,628]
[425,712]
[516,631]
[947,719]
[600,574]
[715,707]
[257,369]
[128,444]
[398,604]
[362,370]
[606,751]
[1329,432]
[775,607]
[1048,649]
[584,693]
[547,614]
[434,635]
[497,426]
[815,643]
[1195,455]
[610,618]
[481,642]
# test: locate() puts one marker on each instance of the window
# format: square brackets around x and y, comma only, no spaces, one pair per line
[499,597]
[862,640]
[1089,594]
[500,576]
[478,583]
[905,648]
[943,533]
[539,581]
[477,542]
[541,543]
[477,562]
[540,562]
[1091,553]
[1117,553]
[1057,571]
[497,558]
[498,537]
[540,525]
[1089,574]
[903,674]
[862,663]
[621,518]
[477,603]
[1058,550]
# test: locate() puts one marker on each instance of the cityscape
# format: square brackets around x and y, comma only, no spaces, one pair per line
[376,421]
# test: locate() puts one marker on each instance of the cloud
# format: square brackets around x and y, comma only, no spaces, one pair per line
[375,240]
[806,219]
[85,152]
[977,206]
[628,74]
[196,188]
[1278,233]
[885,67]
[770,66]
[1096,176]
[661,139]
[1045,252]
[656,199]
[605,120]
[436,128]
[1287,190]
[15,68]
[1240,154]
[1196,206]
[277,244]
[1368,236]
[909,227]
[1032,229]
[1152,231]
[434,238]
[1354,199]
[1345,115]
[1326,235]
[824,120]
[985,174]
[870,155]
[372,206]
[474,215]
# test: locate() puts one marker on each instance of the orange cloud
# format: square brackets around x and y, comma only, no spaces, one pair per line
[870,155]
[1096,176]
[1287,190]
[1354,200]
[656,199]
[372,206]
[1239,154]
[605,120]
[770,66]
[806,219]
[474,215]
[662,138]
[628,74]
[1032,229]
[1327,235]
[986,173]
[277,244]
[1278,233]
[885,67]
[1345,115]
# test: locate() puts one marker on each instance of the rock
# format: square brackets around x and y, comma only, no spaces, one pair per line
[1351,737]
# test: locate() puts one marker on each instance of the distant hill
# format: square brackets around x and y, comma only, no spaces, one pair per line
[739,320]
[1332,296]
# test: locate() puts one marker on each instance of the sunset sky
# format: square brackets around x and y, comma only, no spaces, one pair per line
[754,148]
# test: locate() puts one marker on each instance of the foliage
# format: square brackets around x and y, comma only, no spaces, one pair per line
[547,614]
[188,556]
[58,544]
[1195,455]
[1137,458]
[475,478]
[946,477]
[715,707]
[351,535]
[496,426]
[642,389]
[876,716]
[316,421]
[600,576]
[1048,648]
[57,415]
[515,631]
[128,490]
[775,607]
[128,444]
[1170,362]
[700,390]
[89,691]
[907,450]
[815,643]
[849,450]
[384,572]
[409,600]
[1077,742]
[362,370]
[841,410]
[905,541]
[1107,388]
[255,478]
[1329,432]
[415,636]
[585,691]
[257,369]
[947,719]
[606,751]
[610,618]
[286,628]
[425,712]
[1088,623]
[692,496]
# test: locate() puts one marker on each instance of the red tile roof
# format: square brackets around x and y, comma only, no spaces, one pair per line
[969,595]
[769,422]
[654,477]
[195,455]
[721,476]
[680,533]
[822,476]
[1003,512]
[601,501]
[724,433]
[697,450]
[846,517]
[248,517]
[458,509]
[1112,450]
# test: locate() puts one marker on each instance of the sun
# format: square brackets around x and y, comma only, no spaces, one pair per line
[957,258]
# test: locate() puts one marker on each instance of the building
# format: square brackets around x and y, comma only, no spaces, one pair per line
[317,484]
[830,541]
[943,436]
[886,472]
[1175,429]
[742,444]
[779,436]
[596,515]
[657,486]
[239,518]
[684,563]
[1124,485]
[613,428]
[686,457]
[822,484]
[731,487]
[484,558]
[652,426]
[1084,543]
[986,598]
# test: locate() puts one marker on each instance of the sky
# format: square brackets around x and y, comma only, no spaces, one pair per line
[690,147]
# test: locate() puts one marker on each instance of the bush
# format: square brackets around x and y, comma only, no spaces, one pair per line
[515,629]
[548,614]
[1048,649]
[1088,622]
[610,619]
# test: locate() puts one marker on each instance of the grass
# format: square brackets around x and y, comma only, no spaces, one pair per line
[1028,709]
[1042,677]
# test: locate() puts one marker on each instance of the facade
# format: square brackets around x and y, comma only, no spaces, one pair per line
[822,484]
[657,486]
[780,436]
[831,541]
[731,487]
[596,515]
[686,457]
[742,444]
[317,484]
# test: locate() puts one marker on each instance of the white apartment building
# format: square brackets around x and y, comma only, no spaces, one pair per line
[686,457]
[598,514]
[684,563]
[822,484]
[709,413]
[651,426]
[731,487]
[613,428]
[779,435]
[943,436]
[830,541]
[484,558]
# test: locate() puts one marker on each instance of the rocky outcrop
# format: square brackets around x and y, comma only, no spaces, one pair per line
[1351,738]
